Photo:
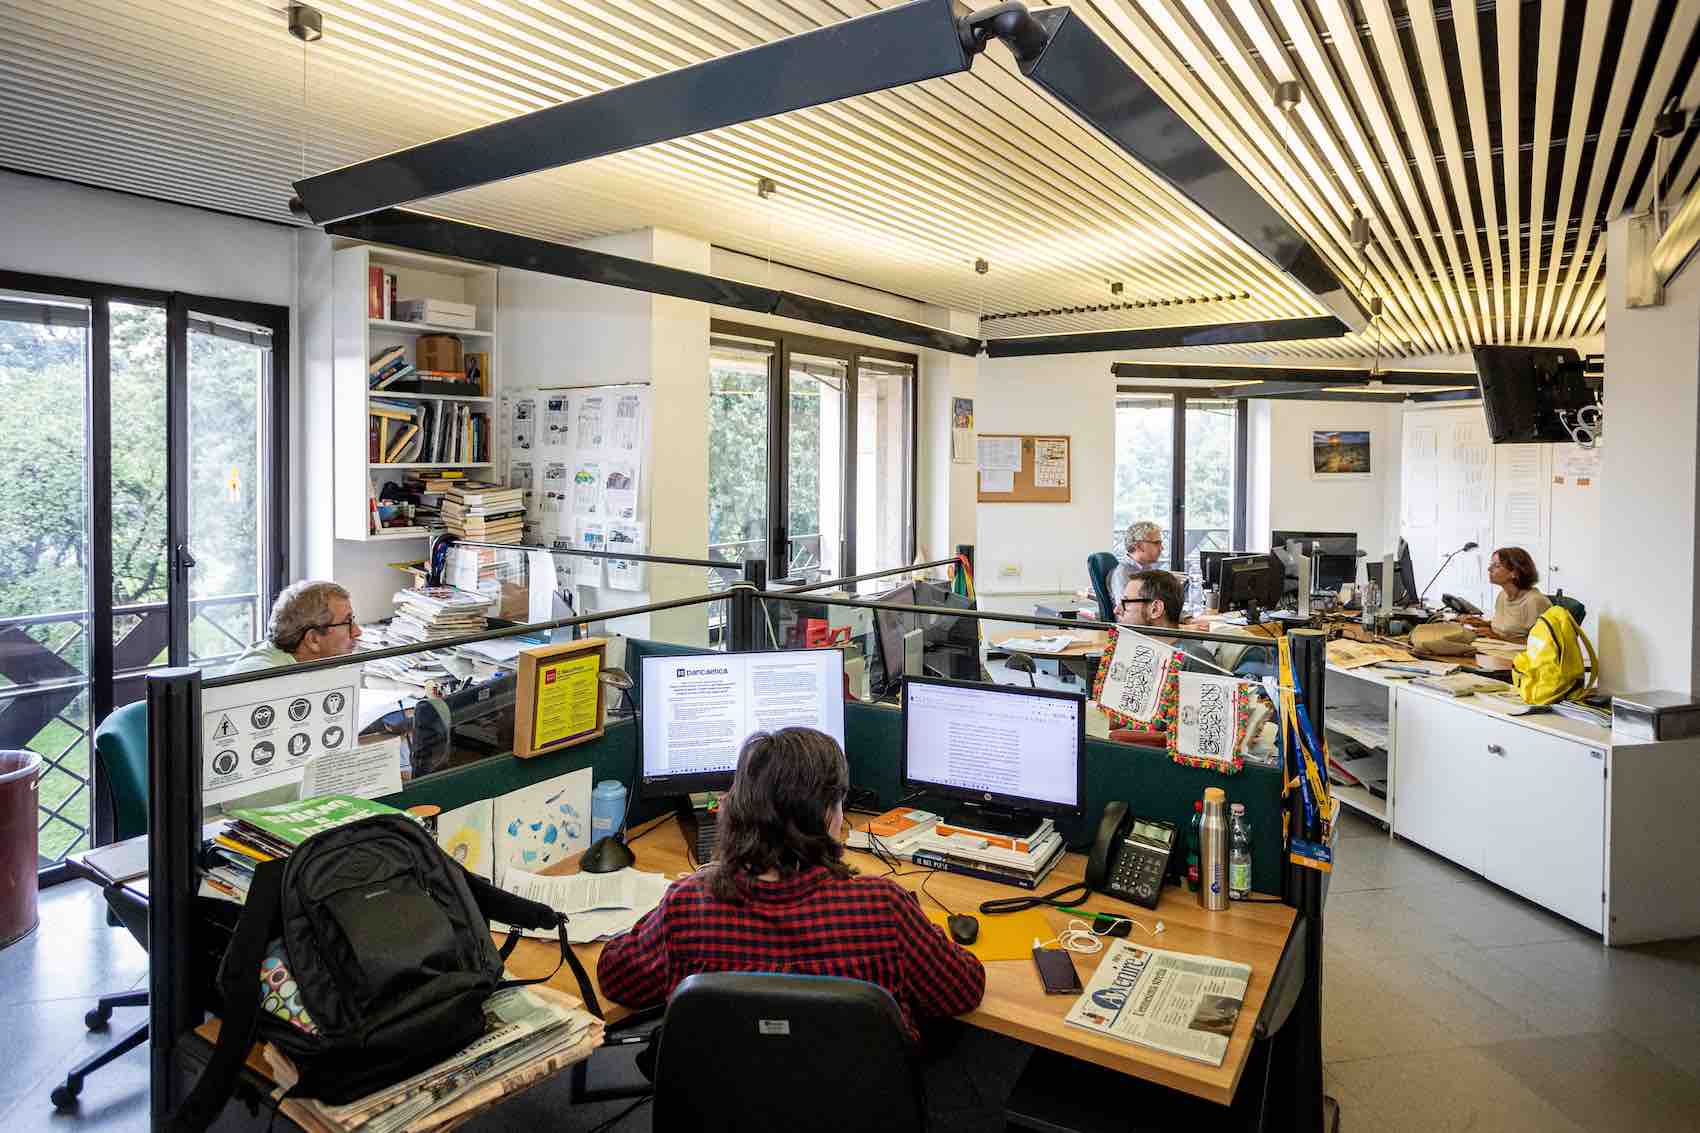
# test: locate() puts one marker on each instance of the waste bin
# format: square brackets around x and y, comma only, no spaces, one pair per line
[19,773]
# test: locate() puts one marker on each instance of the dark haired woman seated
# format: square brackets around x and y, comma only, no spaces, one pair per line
[780,898]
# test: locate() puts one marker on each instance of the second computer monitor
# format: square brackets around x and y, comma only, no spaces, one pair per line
[1006,750]
[699,709]
[1249,580]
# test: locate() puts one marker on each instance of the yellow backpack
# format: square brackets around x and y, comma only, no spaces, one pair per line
[1559,662]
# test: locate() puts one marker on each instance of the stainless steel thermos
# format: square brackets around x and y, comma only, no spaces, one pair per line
[1213,851]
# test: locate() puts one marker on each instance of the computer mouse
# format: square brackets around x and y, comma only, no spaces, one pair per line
[964,929]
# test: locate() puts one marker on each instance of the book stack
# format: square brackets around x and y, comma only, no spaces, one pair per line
[436,612]
[896,831]
[1022,861]
[433,432]
[920,837]
[488,513]
[261,834]
[387,367]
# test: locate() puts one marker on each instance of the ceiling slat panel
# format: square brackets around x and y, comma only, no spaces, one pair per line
[1437,120]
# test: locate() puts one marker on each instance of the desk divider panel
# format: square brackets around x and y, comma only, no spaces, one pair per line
[1146,778]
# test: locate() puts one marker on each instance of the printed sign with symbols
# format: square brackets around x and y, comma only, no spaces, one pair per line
[245,751]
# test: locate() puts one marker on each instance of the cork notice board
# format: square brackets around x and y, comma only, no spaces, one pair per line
[1046,475]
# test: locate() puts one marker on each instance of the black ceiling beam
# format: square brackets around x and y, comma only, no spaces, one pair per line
[1156,338]
[1149,371]
[891,48]
[1070,63]
[422,232]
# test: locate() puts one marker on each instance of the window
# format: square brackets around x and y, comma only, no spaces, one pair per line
[811,454]
[1202,493]
[131,545]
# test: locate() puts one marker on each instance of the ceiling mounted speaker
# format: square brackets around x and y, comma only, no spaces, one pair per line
[305,23]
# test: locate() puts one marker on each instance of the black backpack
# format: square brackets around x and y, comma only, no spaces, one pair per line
[387,940]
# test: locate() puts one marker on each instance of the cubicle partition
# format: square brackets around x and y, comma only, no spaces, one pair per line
[1114,771]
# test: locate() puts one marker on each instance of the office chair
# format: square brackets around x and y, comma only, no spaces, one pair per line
[121,746]
[1058,1094]
[753,1050]
[1099,566]
[1574,605]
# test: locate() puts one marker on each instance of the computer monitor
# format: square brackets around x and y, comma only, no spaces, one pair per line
[1403,574]
[1250,580]
[1005,755]
[1333,556]
[1525,389]
[951,645]
[699,709]
[1210,567]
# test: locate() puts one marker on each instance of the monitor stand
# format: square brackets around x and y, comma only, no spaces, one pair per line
[1004,821]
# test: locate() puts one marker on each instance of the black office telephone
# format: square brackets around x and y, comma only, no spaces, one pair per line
[1460,605]
[1131,855]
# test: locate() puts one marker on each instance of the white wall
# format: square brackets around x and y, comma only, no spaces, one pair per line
[1288,498]
[1035,549]
[1650,467]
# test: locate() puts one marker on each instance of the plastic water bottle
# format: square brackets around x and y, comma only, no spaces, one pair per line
[1192,847]
[607,808]
[1239,853]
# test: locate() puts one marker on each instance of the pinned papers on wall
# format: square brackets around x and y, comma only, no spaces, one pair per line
[961,430]
[997,480]
[625,574]
[1050,463]
[999,454]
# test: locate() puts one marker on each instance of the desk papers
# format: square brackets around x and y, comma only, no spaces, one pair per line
[1356,654]
[1053,643]
[1170,1001]
[600,905]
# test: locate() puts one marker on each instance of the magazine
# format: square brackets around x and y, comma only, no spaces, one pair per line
[1170,1001]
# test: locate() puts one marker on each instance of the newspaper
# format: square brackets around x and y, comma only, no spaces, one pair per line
[526,1026]
[1170,1001]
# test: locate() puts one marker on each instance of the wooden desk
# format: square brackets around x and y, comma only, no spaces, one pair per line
[1088,644]
[1015,1004]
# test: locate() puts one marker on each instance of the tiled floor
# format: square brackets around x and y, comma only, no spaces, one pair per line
[1447,1005]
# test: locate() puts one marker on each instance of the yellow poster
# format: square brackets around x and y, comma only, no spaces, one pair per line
[566,699]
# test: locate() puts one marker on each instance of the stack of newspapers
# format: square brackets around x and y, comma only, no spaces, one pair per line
[531,1033]
[1170,1001]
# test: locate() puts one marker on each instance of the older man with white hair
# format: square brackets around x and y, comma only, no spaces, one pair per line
[310,621]
[1143,547]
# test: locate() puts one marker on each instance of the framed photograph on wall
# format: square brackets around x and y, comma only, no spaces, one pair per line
[1341,454]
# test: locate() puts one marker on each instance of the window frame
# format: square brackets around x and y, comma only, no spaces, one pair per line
[1177,469]
[98,424]
[785,344]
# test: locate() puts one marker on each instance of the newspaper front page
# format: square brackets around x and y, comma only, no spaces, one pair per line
[1171,1001]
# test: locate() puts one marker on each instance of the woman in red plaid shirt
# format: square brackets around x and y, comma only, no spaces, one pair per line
[780,898]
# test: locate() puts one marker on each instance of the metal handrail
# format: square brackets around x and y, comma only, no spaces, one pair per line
[362,656]
[118,611]
[1024,619]
[632,556]
[830,583]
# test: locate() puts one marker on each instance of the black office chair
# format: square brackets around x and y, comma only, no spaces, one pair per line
[1099,566]
[1058,1094]
[1577,609]
[752,1050]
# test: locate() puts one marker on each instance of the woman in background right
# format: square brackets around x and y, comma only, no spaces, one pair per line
[1518,606]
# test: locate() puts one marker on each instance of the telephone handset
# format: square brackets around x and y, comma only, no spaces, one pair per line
[1131,855]
[1460,605]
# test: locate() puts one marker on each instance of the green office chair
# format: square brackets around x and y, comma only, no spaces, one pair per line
[1573,605]
[121,747]
[1099,566]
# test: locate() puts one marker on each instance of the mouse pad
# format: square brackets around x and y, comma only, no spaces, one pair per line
[1007,936]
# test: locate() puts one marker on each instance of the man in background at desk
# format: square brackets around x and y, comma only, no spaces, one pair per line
[310,621]
[1143,548]
[1152,600]
[779,898]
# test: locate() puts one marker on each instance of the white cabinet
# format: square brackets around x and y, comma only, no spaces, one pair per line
[1520,806]
[1442,754]
[1545,834]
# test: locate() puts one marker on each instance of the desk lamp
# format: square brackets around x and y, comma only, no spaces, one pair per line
[611,853]
[1022,663]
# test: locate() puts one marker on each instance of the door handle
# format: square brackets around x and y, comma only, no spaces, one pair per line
[185,558]
[1496,749]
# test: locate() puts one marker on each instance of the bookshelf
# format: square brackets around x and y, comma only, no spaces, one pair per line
[359,338]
